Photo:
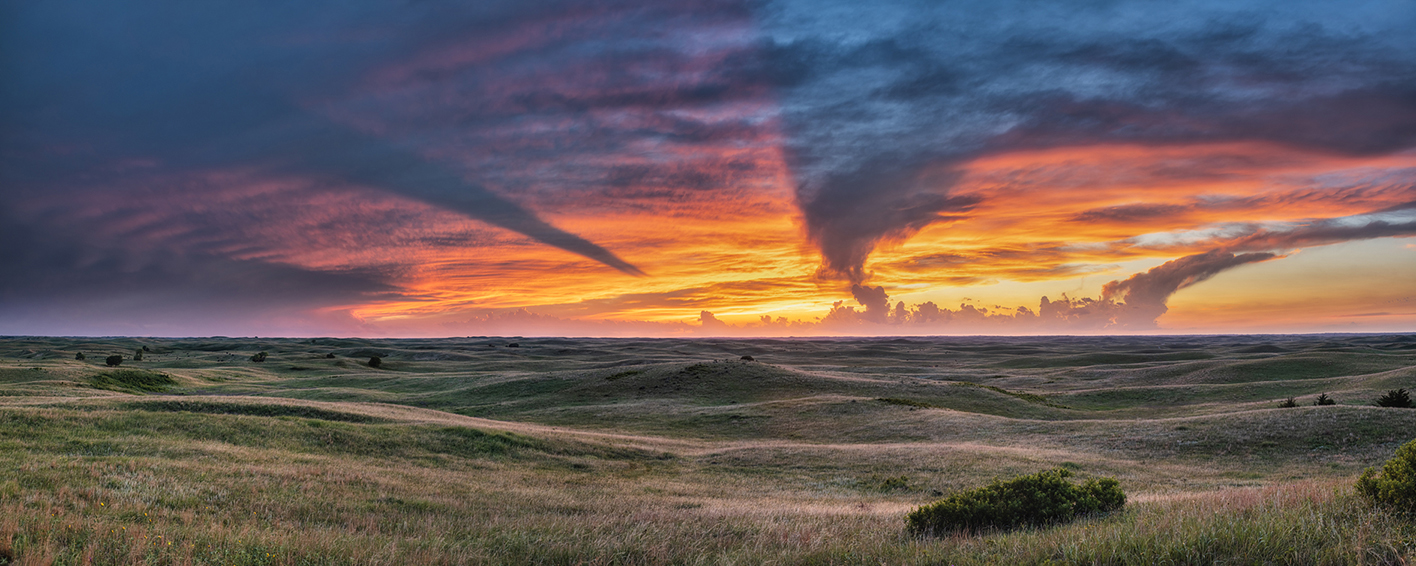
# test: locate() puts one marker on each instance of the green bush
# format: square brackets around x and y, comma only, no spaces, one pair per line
[79,356]
[260,357]
[138,355]
[113,360]
[1037,499]
[1323,400]
[1288,403]
[1396,484]
[375,362]
[1396,398]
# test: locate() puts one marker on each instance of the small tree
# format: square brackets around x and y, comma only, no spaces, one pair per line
[1396,398]
[1396,485]
[79,356]
[375,362]
[1323,400]
[1289,402]
[259,357]
[113,360]
[138,355]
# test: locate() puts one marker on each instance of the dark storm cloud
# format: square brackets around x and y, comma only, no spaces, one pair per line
[347,156]
[485,110]
[853,210]
[195,87]
[62,285]
[879,98]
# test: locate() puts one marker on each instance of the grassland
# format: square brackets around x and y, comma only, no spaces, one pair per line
[585,451]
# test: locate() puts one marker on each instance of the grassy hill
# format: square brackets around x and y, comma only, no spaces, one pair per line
[599,451]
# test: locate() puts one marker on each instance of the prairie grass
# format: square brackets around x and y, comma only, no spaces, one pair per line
[675,452]
[317,513]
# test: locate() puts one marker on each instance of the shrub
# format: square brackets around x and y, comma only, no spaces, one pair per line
[260,357]
[1396,486]
[375,362]
[79,356]
[113,360]
[329,356]
[1396,398]
[138,355]
[1037,499]
[1323,400]
[1289,402]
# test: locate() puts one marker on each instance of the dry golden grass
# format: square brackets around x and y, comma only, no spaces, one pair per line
[552,462]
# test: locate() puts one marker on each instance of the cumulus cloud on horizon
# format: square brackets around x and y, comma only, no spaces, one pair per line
[1134,303]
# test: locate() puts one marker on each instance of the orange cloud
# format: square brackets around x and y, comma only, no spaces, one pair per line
[1060,212]
[1042,216]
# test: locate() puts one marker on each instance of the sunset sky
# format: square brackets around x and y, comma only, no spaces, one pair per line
[775,168]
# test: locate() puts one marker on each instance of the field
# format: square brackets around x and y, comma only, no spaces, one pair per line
[666,451]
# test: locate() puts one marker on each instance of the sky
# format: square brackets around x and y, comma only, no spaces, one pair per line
[700,168]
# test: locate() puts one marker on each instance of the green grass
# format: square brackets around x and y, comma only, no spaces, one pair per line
[1029,397]
[907,403]
[134,380]
[254,409]
[1099,359]
[557,453]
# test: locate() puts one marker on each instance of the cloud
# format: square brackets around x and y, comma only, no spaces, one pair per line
[1143,296]
[56,285]
[710,323]
[327,150]
[243,90]
[1131,304]
[881,120]
[1322,232]
[875,301]
[1130,213]
[341,148]
[522,322]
